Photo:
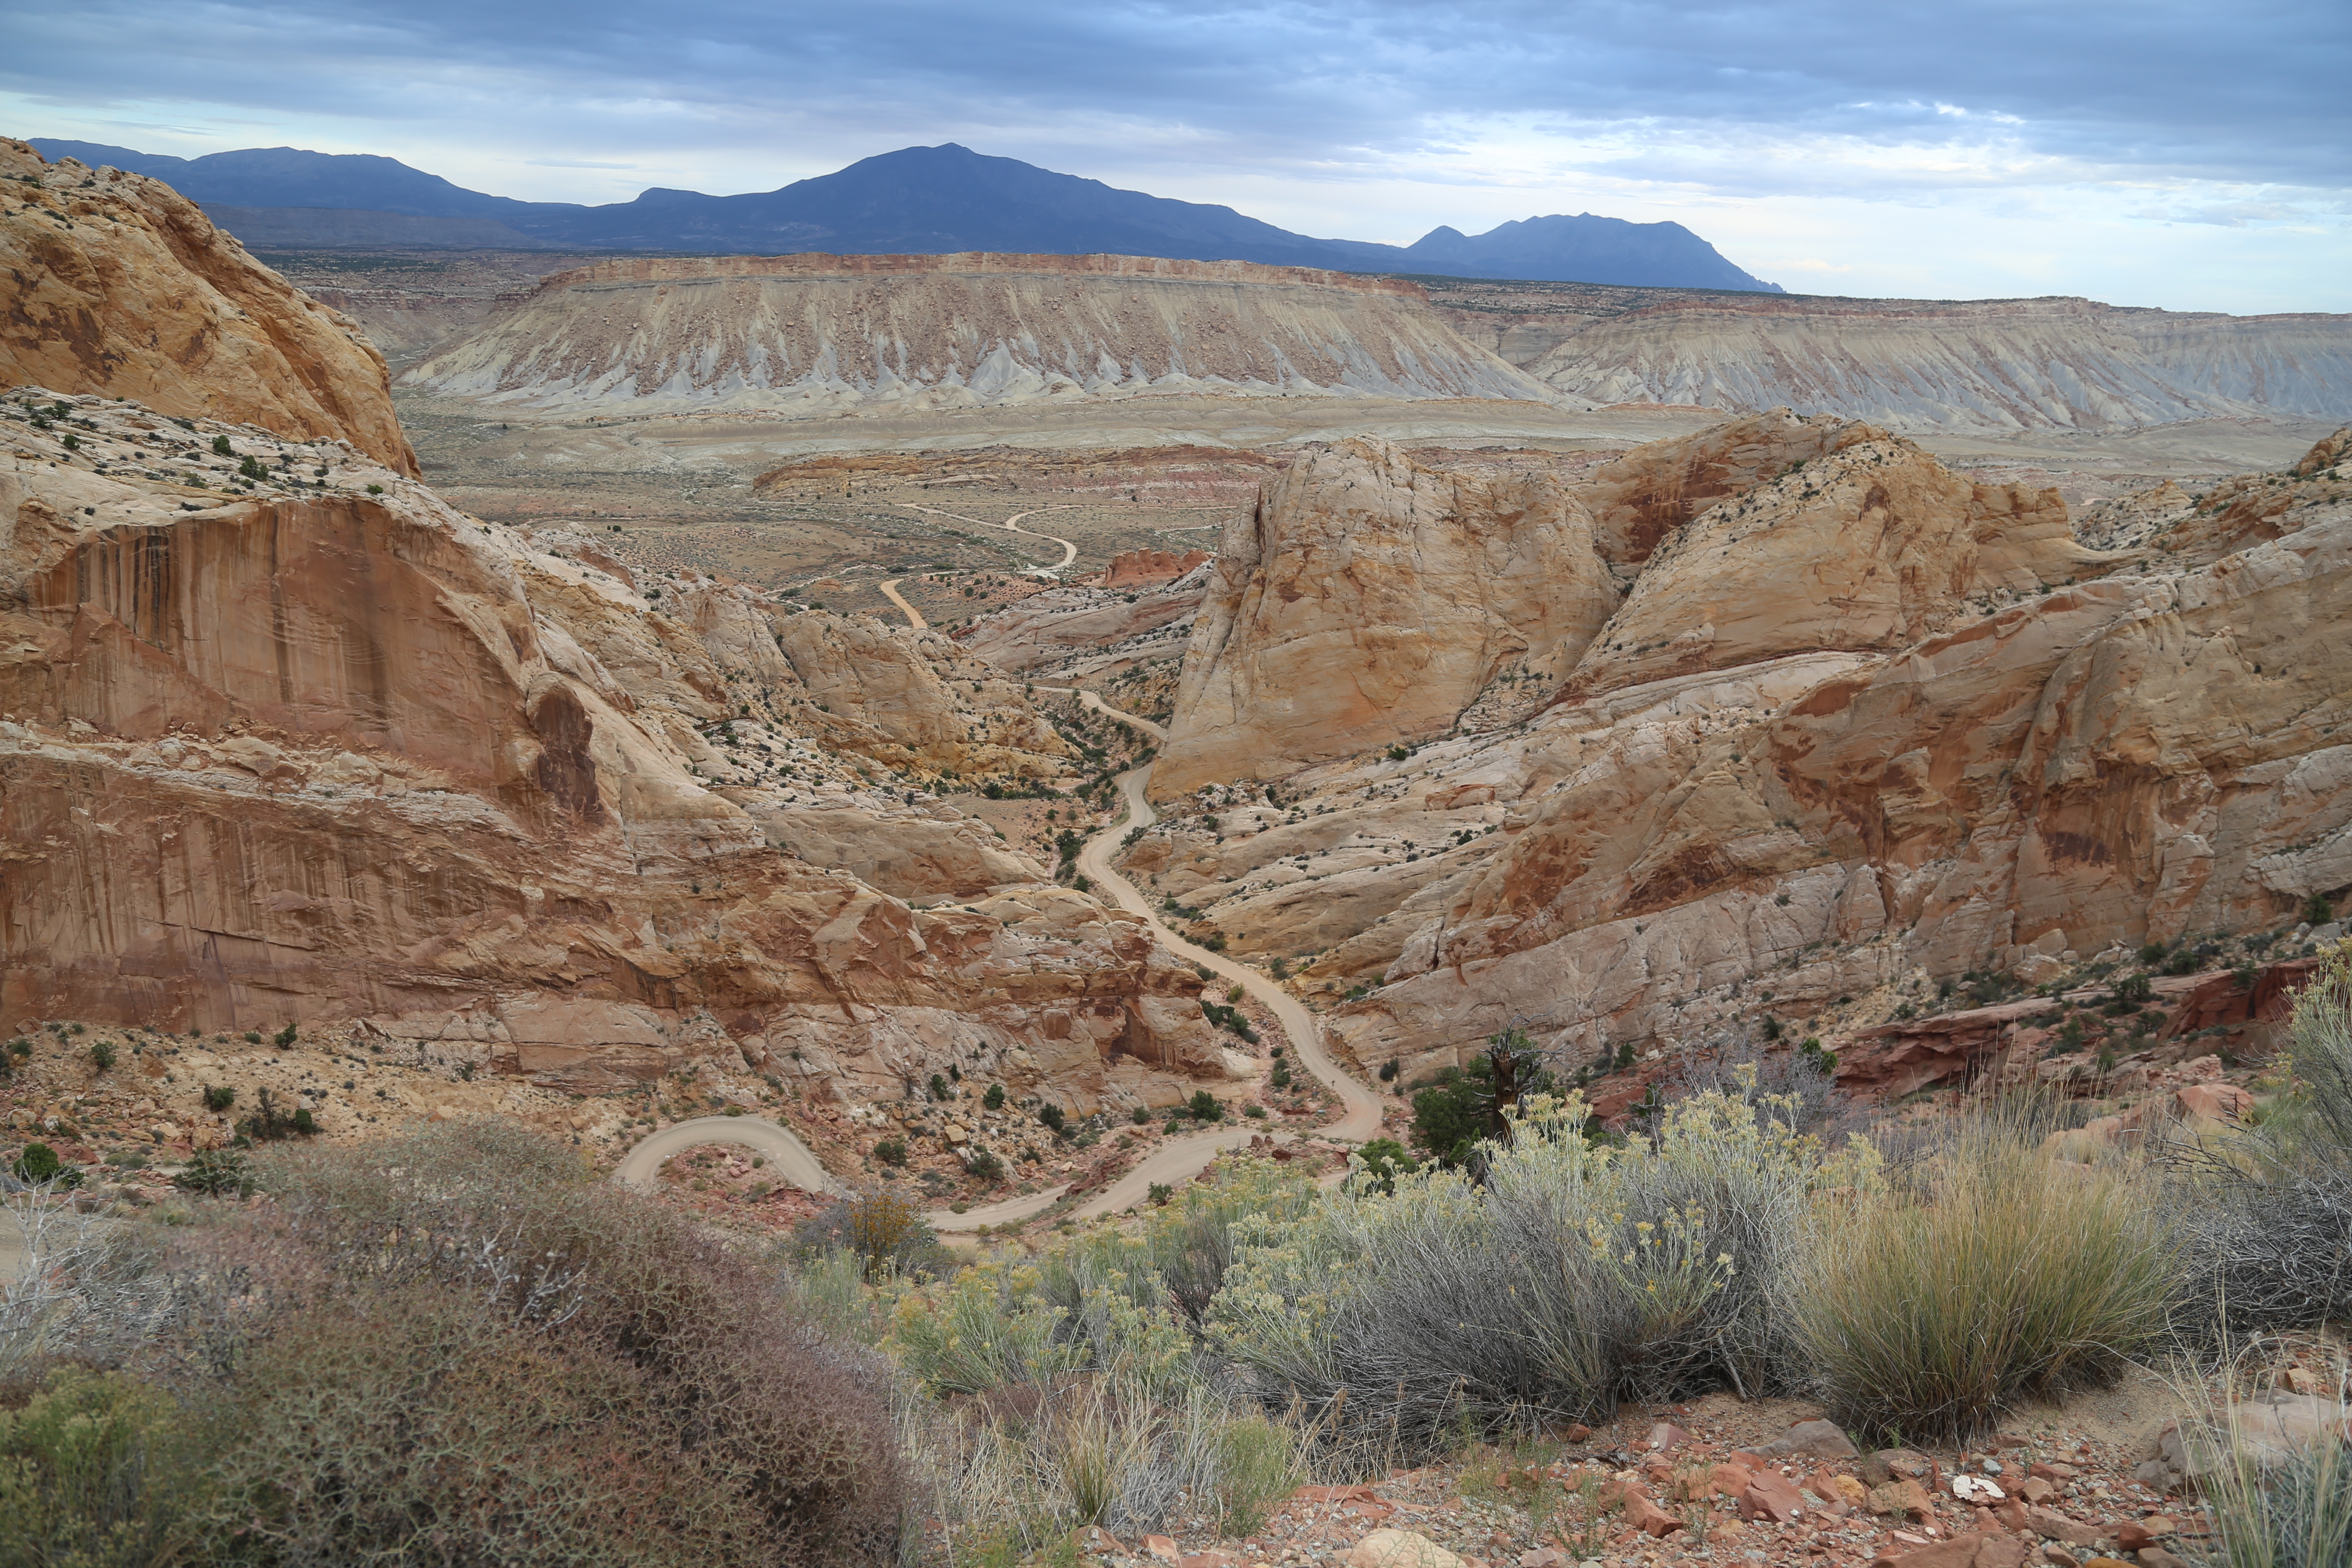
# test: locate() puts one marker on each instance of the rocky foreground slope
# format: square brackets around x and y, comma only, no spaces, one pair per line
[1851,726]
[117,285]
[322,748]
[816,333]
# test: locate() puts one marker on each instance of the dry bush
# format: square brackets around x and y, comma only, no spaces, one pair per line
[2265,1220]
[884,1231]
[413,1427]
[456,1348]
[1988,1273]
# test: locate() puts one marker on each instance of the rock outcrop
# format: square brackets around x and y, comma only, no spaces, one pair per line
[1870,545]
[893,695]
[1369,598]
[824,333]
[1080,631]
[307,756]
[119,285]
[1150,568]
[1857,728]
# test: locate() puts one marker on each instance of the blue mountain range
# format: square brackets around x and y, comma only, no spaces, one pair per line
[919,200]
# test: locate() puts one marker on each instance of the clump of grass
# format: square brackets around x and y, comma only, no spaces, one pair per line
[1992,1274]
[2279,1508]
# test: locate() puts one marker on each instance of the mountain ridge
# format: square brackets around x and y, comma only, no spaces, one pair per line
[917,200]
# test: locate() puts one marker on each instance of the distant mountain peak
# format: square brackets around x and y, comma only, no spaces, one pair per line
[923,201]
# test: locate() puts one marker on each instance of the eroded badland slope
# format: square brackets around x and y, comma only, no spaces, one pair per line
[802,334]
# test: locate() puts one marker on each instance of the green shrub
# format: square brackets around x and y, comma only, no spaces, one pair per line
[994,1098]
[891,1150]
[1995,1275]
[1053,1118]
[221,445]
[272,1121]
[1142,1116]
[219,1097]
[1205,1107]
[2317,911]
[1127,1302]
[1384,1160]
[101,1055]
[99,1468]
[215,1173]
[1449,1116]
[39,1163]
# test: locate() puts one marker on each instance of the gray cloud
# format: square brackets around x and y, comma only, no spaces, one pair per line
[2250,94]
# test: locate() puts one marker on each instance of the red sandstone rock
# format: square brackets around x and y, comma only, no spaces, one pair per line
[1150,568]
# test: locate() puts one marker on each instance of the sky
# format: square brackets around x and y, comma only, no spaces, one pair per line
[2188,156]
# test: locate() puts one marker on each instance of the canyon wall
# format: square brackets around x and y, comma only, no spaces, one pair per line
[1369,598]
[796,334]
[316,754]
[1857,726]
[117,285]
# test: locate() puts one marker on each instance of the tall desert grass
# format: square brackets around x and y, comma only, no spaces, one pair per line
[1986,1274]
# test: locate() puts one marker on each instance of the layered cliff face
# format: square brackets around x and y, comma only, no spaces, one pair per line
[119,285]
[1857,728]
[1906,364]
[1369,598]
[819,333]
[351,756]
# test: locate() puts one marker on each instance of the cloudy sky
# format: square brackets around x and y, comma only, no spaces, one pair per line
[2154,152]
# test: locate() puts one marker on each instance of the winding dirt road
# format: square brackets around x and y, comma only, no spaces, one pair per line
[891,592]
[1069,550]
[1178,1159]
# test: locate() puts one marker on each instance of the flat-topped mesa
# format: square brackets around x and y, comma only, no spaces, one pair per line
[822,334]
[120,287]
[1974,364]
[818,264]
